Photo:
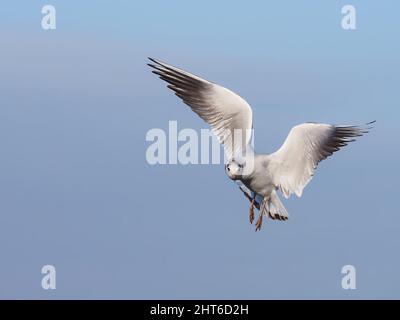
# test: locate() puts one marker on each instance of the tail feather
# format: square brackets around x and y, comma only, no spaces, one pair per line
[275,208]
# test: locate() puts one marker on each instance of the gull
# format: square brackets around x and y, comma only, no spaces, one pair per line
[260,176]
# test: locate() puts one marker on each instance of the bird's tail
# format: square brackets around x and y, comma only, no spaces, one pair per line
[275,208]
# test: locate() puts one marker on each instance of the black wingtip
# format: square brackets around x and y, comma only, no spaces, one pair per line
[153,60]
[370,125]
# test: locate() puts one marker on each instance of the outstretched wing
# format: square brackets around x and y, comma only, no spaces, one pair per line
[229,115]
[306,145]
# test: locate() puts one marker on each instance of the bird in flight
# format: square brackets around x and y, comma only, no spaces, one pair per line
[260,176]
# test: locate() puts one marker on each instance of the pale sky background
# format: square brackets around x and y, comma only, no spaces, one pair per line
[76,190]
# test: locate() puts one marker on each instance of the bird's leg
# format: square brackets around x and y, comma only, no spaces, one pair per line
[260,216]
[256,204]
[251,214]
[259,221]
[246,194]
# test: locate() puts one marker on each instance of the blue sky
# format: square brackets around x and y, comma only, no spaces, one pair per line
[76,191]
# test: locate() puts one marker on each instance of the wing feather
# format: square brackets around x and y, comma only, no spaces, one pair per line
[306,145]
[225,111]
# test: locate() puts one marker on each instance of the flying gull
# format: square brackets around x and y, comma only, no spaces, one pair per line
[289,169]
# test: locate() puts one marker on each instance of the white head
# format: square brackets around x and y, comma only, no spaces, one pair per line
[234,169]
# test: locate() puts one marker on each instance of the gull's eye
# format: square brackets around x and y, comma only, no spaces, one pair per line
[229,169]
